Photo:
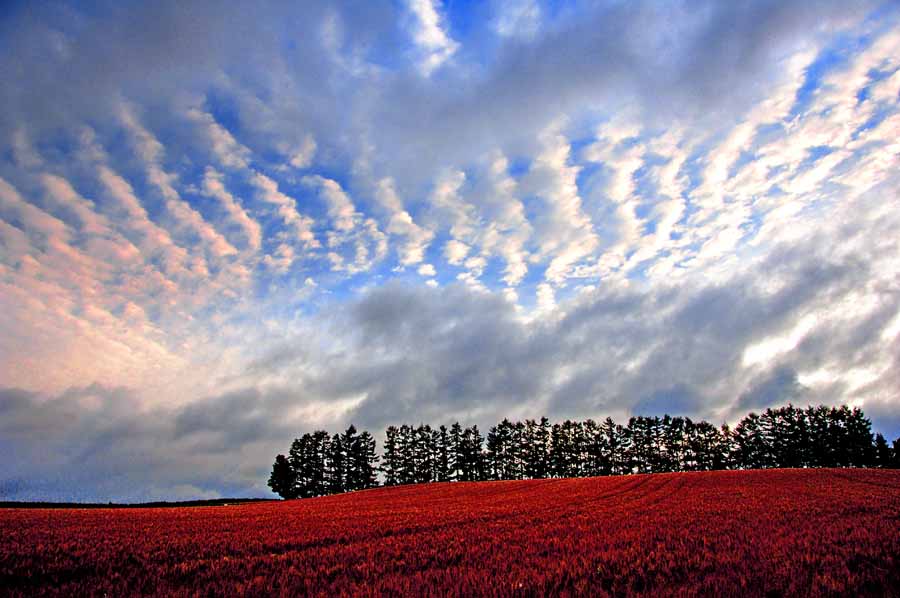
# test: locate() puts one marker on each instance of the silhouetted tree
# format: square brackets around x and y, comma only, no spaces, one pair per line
[471,458]
[895,457]
[283,478]
[750,446]
[617,441]
[309,457]
[642,451]
[423,454]
[884,456]
[336,471]
[390,465]
[456,435]
[707,447]
[361,462]
[442,463]
[788,436]
[502,456]
[821,444]
[567,449]
[407,448]
[858,448]
[536,448]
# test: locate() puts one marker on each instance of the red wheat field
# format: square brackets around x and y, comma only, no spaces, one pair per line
[777,532]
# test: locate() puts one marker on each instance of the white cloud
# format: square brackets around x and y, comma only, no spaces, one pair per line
[222,143]
[517,18]
[340,208]
[455,251]
[400,223]
[301,156]
[185,216]
[267,190]
[214,186]
[565,233]
[434,45]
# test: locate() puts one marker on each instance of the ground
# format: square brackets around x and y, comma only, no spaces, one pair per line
[775,532]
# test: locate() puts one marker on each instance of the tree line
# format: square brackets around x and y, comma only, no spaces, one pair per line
[816,436]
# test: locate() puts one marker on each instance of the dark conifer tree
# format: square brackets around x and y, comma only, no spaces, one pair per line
[519,451]
[693,447]
[750,446]
[501,454]
[707,447]
[390,465]
[472,461]
[361,463]
[443,473]
[558,452]
[791,438]
[494,453]
[348,439]
[424,454]
[767,450]
[454,450]
[616,441]
[895,457]
[283,478]
[596,450]
[336,472]
[821,445]
[407,450]
[642,453]
[674,430]
[883,453]
[729,452]
[536,441]
[309,456]
[858,431]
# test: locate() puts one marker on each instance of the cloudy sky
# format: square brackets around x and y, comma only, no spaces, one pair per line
[223,225]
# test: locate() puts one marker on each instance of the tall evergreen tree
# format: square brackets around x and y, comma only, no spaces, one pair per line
[309,457]
[336,471]
[536,441]
[596,450]
[454,450]
[442,463]
[424,454]
[883,453]
[407,449]
[617,443]
[858,432]
[390,465]
[895,456]
[750,445]
[361,463]
[821,446]
[283,478]
[472,460]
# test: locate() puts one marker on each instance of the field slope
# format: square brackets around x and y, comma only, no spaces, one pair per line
[777,532]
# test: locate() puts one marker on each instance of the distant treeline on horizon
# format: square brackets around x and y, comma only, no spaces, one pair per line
[818,436]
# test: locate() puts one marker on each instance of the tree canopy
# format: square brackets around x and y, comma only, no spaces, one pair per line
[816,436]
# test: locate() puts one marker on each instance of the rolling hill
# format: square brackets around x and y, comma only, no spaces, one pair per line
[769,532]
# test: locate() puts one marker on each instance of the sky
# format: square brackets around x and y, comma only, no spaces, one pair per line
[225,225]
